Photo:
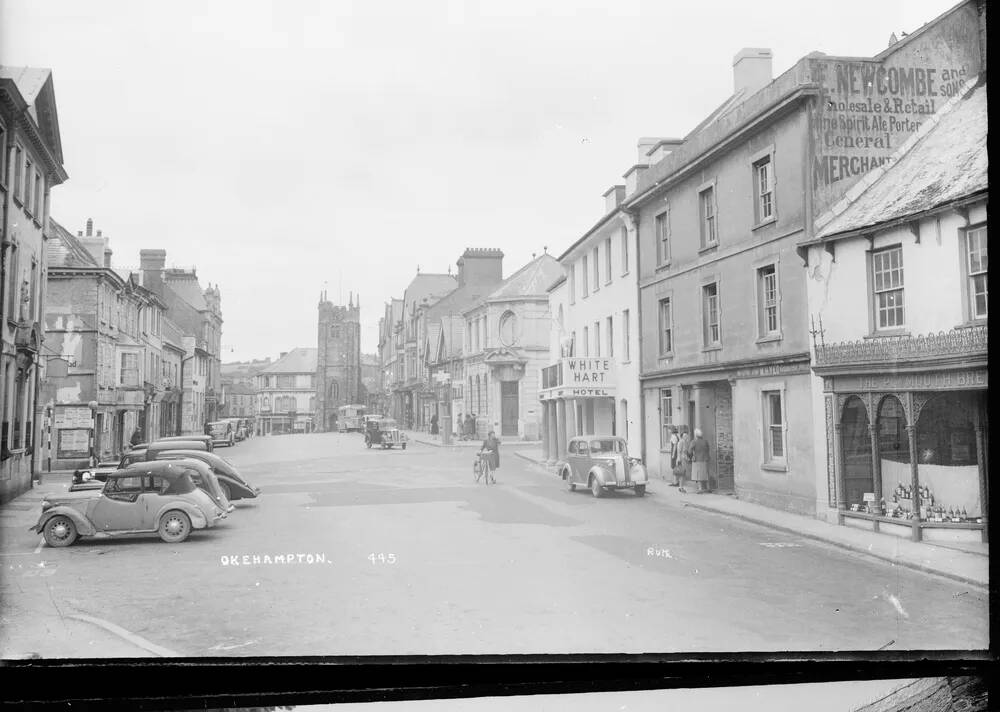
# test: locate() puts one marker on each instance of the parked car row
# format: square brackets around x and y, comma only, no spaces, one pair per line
[169,487]
[229,431]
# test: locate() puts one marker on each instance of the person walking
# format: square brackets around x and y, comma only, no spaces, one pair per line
[699,461]
[682,468]
[136,437]
[675,442]
[434,424]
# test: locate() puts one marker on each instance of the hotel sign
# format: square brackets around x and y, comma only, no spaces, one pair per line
[584,378]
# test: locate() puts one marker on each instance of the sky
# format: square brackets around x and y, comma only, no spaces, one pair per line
[283,148]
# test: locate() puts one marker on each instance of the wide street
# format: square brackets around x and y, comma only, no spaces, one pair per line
[401,552]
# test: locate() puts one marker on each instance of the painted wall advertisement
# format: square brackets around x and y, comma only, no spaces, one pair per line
[870,107]
[73,443]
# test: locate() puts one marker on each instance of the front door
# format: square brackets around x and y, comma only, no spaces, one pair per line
[509,408]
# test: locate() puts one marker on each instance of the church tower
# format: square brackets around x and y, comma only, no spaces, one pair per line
[338,360]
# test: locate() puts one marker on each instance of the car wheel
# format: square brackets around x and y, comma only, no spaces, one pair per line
[60,531]
[595,487]
[640,490]
[226,489]
[174,526]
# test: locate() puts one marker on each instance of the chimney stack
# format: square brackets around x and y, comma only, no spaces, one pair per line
[90,227]
[152,260]
[751,70]
[613,197]
[482,265]
[663,148]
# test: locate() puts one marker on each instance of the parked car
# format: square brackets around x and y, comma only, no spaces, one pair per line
[601,464]
[98,472]
[230,481]
[205,481]
[150,497]
[239,431]
[207,439]
[222,432]
[384,432]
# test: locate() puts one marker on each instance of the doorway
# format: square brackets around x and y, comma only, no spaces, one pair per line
[509,407]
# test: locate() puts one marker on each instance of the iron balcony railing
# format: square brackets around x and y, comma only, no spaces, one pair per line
[970,341]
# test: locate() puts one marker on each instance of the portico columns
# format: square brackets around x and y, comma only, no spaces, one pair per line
[560,429]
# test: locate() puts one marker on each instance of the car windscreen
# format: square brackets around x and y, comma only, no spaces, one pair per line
[606,446]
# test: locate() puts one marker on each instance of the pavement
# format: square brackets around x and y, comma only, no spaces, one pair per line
[356,551]
[967,563]
[426,438]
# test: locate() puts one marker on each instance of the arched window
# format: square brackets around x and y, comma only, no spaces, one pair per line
[266,404]
[334,391]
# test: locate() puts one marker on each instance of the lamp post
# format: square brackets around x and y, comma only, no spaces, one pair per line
[93,431]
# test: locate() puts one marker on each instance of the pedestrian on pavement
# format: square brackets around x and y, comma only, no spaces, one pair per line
[682,468]
[492,445]
[699,461]
[675,442]
[434,424]
[136,437]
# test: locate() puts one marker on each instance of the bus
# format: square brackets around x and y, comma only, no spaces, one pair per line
[349,418]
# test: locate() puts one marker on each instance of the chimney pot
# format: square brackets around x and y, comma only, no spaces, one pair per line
[98,233]
[90,227]
[79,233]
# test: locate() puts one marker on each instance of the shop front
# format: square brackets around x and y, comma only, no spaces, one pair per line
[908,443]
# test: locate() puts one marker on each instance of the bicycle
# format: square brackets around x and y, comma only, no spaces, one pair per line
[482,467]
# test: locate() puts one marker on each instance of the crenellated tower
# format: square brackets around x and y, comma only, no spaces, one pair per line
[338,359]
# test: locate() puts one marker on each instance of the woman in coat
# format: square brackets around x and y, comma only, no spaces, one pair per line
[492,445]
[699,461]
[682,469]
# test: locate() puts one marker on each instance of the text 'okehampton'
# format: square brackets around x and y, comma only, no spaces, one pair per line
[258,560]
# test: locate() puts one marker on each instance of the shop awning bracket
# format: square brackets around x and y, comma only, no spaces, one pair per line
[914,226]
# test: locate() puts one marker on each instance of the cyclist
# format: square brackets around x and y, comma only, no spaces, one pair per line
[491,445]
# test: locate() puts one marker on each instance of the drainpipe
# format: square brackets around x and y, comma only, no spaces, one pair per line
[633,218]
[180,399]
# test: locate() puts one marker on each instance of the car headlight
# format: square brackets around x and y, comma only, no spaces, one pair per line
[87,476]
[46,504]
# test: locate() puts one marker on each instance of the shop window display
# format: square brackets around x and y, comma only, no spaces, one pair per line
[947,459]
[857,453]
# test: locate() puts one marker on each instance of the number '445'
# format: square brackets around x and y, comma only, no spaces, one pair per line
[382,558]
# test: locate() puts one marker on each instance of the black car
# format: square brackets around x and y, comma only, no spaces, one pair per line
[232,483]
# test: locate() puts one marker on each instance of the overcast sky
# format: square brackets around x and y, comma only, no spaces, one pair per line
[288,147]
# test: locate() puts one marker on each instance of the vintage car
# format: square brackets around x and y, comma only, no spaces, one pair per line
[203,477]
[223,432]
[151,497]
[98,472]
[207,439]
[384,432]
[230,481]
[602,463]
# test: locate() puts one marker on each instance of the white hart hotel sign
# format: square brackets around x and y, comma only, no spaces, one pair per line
[587,378]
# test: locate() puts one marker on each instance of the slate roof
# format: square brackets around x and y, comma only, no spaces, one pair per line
[452,332]
[299,360]
[187,288]
[63,249]
[532,280]
[947,163]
